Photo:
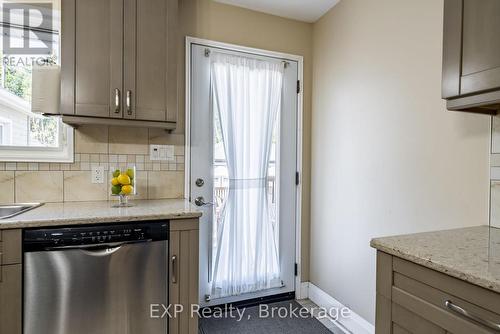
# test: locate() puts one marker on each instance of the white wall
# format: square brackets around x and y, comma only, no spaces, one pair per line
[18,128]
[387,158]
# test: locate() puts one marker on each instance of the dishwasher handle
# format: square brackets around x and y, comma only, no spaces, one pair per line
[97,247]
[101,251]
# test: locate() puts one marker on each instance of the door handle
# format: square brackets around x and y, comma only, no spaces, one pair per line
[129,102]
[466,314]
[174,269]
[117,101]
[200,201]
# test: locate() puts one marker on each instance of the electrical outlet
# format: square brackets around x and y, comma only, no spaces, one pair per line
[98,174]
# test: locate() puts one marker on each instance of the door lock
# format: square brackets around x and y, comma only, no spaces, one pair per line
[199,182]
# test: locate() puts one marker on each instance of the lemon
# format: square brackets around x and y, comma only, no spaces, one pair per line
[115,190]
[127,190]
[116,173]
[124,179]
[114,181]
[130,173]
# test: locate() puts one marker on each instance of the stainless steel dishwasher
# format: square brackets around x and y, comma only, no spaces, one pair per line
[99,279]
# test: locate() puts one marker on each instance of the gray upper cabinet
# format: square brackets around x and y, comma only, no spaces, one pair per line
[119,62]
[471,55]
[151,60]
[98,57]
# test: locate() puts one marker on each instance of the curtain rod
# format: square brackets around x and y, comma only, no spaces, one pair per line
[23,27]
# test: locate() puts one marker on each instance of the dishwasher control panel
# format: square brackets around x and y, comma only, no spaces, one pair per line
[58,237]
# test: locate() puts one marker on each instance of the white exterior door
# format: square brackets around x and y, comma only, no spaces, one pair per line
[208,172]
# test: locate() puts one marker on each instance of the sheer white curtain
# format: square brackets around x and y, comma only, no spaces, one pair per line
[246,95]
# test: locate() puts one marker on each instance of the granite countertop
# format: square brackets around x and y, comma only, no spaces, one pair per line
[73,213]
[470,254]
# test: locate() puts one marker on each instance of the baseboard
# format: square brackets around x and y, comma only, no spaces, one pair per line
[354,324]
[303,291]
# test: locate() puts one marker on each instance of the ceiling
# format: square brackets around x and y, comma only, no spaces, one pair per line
[302,10]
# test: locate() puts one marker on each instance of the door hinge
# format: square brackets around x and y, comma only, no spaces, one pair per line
[296,269]
[298,86]
[297,178]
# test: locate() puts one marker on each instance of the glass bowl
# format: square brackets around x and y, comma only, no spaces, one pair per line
[123,183]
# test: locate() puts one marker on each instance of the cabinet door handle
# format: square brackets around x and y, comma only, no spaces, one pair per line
[174,269]
[129,102]
[117,101]
[460,311]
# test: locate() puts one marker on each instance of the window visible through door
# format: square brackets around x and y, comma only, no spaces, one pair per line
[222,184]
[221,178]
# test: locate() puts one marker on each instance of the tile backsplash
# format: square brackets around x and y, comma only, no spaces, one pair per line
[495,172]
[98,146]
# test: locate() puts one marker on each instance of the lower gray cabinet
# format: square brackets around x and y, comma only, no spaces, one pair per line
[184,245]
[417,300]
[11,299]
[11,268]
[183,282]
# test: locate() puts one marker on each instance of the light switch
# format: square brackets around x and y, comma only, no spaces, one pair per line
[154,152]
[161,153]
[169,153]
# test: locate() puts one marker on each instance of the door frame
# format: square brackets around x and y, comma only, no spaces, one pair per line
[299,131]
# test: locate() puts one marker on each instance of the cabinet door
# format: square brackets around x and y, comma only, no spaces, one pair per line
[480,46]
[150,78]
[183,269]
[452,48]
[11,247]
[11,299]
[92,53]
